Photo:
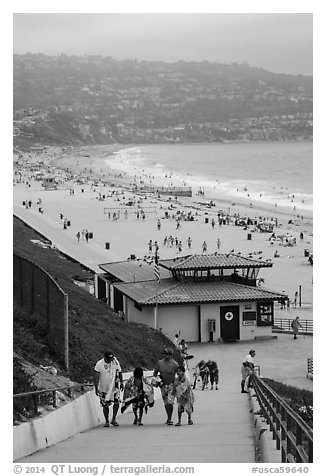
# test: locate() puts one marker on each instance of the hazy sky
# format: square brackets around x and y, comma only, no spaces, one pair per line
[279,42]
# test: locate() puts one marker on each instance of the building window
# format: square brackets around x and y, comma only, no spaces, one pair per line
[265,314]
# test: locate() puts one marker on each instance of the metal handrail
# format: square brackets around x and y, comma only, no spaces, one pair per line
[34,396]
[284,325]
[293,436]
[36,393]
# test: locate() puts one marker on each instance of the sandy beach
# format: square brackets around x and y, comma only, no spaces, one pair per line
[96,197]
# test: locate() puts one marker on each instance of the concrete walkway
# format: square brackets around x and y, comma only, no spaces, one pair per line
[222,430]
[221,433]
[64,240]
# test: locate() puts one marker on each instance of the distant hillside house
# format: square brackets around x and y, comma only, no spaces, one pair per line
[207,297]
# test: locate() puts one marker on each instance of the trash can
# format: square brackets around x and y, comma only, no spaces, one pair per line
[249,236]
[90,235]
[306,253]
[132,256]
[107,245]
[206,220]
[68,223]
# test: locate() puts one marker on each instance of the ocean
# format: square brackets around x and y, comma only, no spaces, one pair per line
[266,172]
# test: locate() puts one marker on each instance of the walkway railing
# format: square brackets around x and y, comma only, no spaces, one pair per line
[33,398]
[310,366]
[284,326]
[293,436]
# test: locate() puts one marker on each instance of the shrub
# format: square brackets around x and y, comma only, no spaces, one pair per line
[300,400]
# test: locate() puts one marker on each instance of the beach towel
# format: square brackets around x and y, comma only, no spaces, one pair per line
[184,395]
[131,394]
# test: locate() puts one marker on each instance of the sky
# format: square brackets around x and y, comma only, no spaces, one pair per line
[278,42]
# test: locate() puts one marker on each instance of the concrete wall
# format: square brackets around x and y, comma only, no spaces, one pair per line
[171,319]
[174,318]
[146,316]
[79,415]
[210,311]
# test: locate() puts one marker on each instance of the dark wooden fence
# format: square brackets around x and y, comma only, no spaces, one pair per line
[292,435]
[38,293]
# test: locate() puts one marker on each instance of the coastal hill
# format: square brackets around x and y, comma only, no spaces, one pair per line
[93,327]
[83,100]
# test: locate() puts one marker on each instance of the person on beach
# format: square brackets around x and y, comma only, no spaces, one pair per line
[78,236]
[204,247]
[166,368]
[189,241]
[218,243]
[247,368]
[184,395]
[139,393]
[86,236]
[296,324]
[108,383]
[295,300]
[150,246]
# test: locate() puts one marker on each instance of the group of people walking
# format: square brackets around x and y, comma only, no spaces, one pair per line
[172,378]
[138,391]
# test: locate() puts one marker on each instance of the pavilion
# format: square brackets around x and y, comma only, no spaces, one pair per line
[207,297]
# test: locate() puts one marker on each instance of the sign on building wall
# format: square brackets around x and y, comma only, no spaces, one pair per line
[249,318]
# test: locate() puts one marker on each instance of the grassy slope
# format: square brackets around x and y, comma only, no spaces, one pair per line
[92,327]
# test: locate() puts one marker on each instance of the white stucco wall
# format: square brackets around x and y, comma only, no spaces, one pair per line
[171,319]
[146,316]
[210,311]
[184,318]
[250,332]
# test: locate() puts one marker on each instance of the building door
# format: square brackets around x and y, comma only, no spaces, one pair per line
[118,300]
[101,289]
[230,323]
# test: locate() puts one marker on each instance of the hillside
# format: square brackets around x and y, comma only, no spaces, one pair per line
[76,100]
[93,328]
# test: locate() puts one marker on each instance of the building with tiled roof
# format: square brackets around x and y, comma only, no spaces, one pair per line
[207,297]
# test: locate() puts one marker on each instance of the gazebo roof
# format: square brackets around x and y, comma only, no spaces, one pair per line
[214,261]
